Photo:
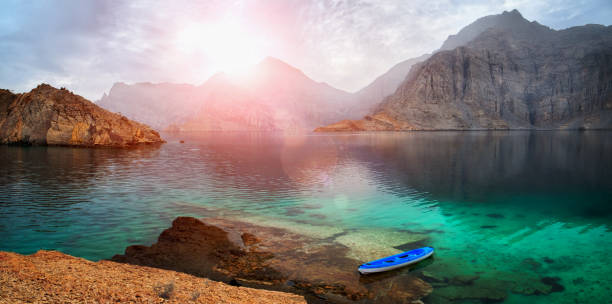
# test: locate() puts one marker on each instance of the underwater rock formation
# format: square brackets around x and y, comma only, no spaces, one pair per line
[226,250]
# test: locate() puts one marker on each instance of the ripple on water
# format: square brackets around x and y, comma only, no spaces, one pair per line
[505,206]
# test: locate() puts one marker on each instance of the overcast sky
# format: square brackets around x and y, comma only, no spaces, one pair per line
[87,46]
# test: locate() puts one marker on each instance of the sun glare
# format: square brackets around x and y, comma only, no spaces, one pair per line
[228,46]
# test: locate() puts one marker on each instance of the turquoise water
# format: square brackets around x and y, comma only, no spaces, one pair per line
[515,208]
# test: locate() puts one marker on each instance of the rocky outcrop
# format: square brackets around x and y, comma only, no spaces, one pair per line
[521,75]
[53,277]
[50,116]
[272,258]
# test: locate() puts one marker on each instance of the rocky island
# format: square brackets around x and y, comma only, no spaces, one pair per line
[50,116]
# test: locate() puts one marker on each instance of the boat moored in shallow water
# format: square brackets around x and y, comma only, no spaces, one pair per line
[396,261]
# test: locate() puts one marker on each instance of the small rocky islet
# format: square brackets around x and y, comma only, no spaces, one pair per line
[50,116]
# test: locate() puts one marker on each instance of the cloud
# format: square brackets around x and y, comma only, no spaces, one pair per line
[86,46]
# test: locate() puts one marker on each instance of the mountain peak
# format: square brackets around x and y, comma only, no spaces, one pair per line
[513,12]
[275,64]
[508,20]
[274,67]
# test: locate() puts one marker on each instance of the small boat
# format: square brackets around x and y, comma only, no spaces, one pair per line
[396,261]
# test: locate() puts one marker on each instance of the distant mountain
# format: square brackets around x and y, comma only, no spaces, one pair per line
[50,116]
[515,74]
[157,105]
[274,96]
[383,86]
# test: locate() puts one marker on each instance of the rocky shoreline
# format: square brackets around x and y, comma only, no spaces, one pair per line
[54,277]
[289,264]
[251,255]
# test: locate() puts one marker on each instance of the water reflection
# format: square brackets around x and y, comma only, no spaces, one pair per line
[467,192]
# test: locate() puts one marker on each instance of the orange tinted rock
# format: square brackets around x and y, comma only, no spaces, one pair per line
[48,116]
[53,277]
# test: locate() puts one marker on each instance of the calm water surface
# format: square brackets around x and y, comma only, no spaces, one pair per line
[510,207]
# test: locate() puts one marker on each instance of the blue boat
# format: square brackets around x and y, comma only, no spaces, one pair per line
[396,261]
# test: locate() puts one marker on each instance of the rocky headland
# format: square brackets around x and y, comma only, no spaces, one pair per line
[512,74]
[50,116]
[54,277]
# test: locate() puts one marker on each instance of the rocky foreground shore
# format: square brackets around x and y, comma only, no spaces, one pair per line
[53,277]
[197,261]
[321,269]
[50,116]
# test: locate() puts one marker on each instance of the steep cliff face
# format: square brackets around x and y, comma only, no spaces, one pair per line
[526,76]
[50,116]
[384,85]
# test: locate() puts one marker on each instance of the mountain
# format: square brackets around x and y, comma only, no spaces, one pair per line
[274,96]
[520,75]
[386,84]
[512,21]
[157,105]
[48,116]
[383,86]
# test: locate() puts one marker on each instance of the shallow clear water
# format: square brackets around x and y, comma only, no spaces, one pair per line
[511,207]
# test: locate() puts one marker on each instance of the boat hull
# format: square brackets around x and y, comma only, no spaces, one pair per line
[367,270]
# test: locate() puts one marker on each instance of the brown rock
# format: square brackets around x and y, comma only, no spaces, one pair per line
[53,277]
[282,260]
[48,116]
[249,239]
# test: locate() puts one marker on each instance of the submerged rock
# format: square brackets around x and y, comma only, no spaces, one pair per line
[50,116]
[281,260]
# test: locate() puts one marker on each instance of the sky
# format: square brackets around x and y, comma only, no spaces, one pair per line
[86,46]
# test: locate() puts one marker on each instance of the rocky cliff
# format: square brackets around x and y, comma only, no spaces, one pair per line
[366,99]
[521,75]
[50,116]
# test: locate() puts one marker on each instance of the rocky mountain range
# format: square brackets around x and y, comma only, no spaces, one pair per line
[500,72]
[513,74]
[275,96]
[50,116]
